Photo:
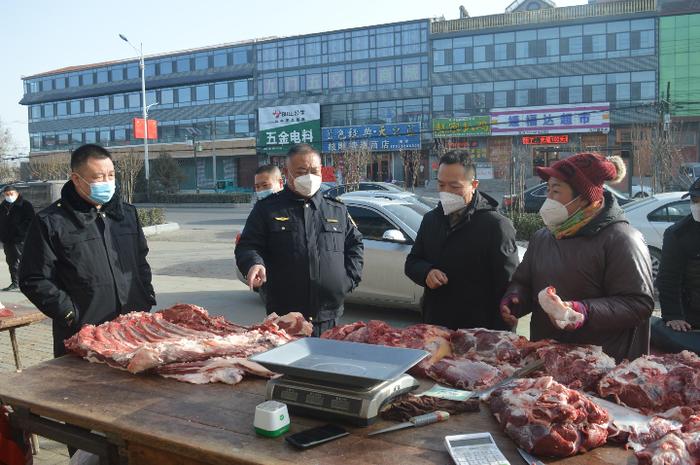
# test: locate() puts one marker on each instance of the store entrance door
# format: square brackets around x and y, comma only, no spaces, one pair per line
[544,156]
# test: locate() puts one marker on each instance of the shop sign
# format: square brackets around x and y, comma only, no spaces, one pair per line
[554,119]
[376,137]
[462,127]
[281,127]
[559,139]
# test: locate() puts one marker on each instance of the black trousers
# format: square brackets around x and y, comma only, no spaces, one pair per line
[13,254]
[321,326]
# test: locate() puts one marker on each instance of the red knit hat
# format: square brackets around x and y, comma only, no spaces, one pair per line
[586,173]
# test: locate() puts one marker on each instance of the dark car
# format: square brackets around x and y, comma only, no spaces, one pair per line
[363,186]
[534,198]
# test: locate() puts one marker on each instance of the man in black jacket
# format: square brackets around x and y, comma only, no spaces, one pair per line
[465,252]
[85,255]
[303,245]
[16,214]
[679,283]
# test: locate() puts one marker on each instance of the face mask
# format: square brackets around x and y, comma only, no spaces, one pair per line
[264,194]
[10,198]
[695,210]
[101,192]
[307,185]
[451,202]
[554,213]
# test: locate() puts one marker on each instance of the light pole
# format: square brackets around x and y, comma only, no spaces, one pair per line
[146,168]
[194,132]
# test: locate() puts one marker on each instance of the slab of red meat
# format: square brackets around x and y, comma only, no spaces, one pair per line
[489,346]
[229,370]
[548,419]
[679,447]
[6,313]
[346,332]
[195,317]
[466,374]
[576,366]
[655,383]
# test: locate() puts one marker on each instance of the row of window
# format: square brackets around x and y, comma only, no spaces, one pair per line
[176,97]
[160,67]
[389,74]
[387,111]
[170,131]
[457,100]
[550,45]
[361,44]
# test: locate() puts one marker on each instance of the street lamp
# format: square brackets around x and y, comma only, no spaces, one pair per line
[194,132]
[139,51]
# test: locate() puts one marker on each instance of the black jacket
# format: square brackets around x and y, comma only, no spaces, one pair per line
[311,250]
[478,255]
[89,262]
[679,273]
[15,219]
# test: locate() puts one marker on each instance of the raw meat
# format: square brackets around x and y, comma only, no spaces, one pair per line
[404,407]
[6,313]
[466,374]
[547,418]
[173,339]
[489,346]
[681,446]
[655,383]
[576,366]
[229,370]
[563,315]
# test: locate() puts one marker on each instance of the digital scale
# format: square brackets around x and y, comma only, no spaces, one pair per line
[357,406]
[338,380]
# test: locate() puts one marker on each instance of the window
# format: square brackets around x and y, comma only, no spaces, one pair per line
[622,91]
[270,86]
[360,77]
[240,57]
[134,101]
[242,125]
[73,80]
[132,72]
[150,69]
[89,105]
[59,83]
[36,111]
[622,41]
[88,79]
[48,110]
[183,64]
[118,74]
[117,102]
[103,104]
[90,137]
[552,96]
[575,94]
[240,89]
[46,84]
[370,223]
[102,77]
[411,72]
[669,213]
[598,93]
[165,67]
[385,75]
[221,90]
[120,134]
[75,107]
[314,82]
[202,93]
[647,91]
[201,62]
[166,96]
[336,79]
[105,135]
[291,84]
[76,137]
[184,95]
[220,60]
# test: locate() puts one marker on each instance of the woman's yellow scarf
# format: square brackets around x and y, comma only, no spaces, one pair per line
[578,220]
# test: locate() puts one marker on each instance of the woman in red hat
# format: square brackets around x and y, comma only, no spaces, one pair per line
[586,277]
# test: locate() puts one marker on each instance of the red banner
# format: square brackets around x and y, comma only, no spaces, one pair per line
[139,128]
[546,140]
[328,174]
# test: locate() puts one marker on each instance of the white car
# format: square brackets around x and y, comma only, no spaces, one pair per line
[652,215]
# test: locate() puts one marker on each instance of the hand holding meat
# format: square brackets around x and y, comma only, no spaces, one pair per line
[508,305]
[435,279]
[563,315]
[256,276]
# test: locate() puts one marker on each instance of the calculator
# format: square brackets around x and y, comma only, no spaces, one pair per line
[474,449]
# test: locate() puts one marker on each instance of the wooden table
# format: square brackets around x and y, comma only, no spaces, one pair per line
[147,420]
[23,316]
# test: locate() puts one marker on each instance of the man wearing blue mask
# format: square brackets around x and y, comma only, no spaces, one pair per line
[85,255]
[268,181]
[16,214]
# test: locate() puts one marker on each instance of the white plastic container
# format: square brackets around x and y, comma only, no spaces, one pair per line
[271,419]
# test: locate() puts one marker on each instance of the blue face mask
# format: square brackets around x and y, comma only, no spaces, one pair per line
[264,194]
[101,192]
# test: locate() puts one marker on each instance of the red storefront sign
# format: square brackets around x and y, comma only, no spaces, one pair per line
[139,128]
[546,140]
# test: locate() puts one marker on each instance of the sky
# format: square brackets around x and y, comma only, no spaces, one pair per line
[42,35]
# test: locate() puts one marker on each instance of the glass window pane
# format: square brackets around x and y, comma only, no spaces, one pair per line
[240,89]
[61,109]
[240,57]
[166,96]
[201,62]
[623,91]
[166,67]
[73,80]
[150,70]
[103,104]
[623,41]
[102,77]
[117,74]
[220,60]
[117,102]
[202,92]
[184,95]
[336,79]
[291,84]
[576,94]
[270,86]
[75,107]
[134,101]
[88,79]
[411,72]
[183,64]
[385,75]
[648,91]
[314,82]
[90,137]
[221,90]
[360,77]
[132,72]
[89,105]
[59,83]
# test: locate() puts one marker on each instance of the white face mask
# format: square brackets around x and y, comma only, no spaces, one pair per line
[695,210]
[10,198]
[451,202]
[307,185]
[554,213]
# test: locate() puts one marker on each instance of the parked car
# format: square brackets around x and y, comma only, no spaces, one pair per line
[651,216]
[389,227]
[363,186]
[535,196]
[403,195]
[328,185]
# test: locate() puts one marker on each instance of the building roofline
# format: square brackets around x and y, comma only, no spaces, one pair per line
[262,40]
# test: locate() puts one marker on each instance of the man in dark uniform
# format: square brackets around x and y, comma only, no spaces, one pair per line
[16,214]
[679,283]
[303,245]
[85,255]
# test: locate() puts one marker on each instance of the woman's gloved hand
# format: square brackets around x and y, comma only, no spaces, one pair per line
[510,303]
[568,316]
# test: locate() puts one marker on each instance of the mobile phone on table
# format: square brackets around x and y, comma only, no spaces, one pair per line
[315,436]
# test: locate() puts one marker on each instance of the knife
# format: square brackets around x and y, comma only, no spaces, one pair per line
[420,420]
[526,370]
[529,458]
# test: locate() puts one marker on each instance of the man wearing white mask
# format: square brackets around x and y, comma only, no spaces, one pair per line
[16,214]
[85,255]
[302,245]
[679,283]
[464,253]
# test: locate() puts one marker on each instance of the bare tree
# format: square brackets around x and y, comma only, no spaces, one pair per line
[667,159]
[517,175]
[7,143]
[128,166]
[411,166]
[355,161]
[50,168]
[642,147]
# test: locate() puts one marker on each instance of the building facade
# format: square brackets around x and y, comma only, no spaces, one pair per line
[538,80]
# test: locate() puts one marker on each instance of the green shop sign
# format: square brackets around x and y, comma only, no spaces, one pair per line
[462,127]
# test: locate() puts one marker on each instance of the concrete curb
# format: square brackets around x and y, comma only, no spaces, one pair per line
[160,228]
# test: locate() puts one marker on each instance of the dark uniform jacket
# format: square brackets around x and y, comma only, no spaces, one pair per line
[606,265]
[15,219]
[679,273]
[311,250]
[478,254]
[89,262]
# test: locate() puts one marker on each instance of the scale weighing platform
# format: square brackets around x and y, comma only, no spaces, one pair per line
[339,380]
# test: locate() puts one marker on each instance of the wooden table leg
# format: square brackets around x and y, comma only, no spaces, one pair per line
[15,350]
